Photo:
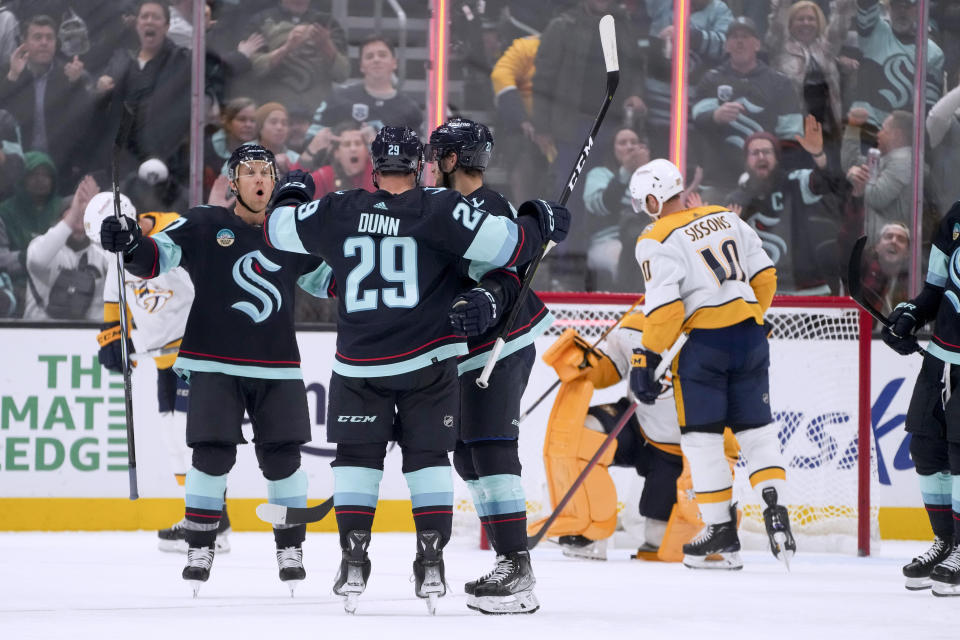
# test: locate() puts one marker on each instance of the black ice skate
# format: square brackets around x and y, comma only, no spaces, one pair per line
[945,577]
[197,571]
[354,570]
[470,587]
[583,547]
[290,561]
[508,588]
[917,572]
[777,522]
[428,572]
[715,547]
[174,538]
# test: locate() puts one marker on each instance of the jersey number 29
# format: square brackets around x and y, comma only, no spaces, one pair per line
[397,263]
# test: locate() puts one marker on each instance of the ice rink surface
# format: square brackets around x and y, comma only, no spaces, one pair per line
[117,585]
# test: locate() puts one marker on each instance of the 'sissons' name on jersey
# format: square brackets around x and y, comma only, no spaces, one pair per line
[378,224]
[705,227]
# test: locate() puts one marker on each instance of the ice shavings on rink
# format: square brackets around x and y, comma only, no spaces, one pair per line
[99,585]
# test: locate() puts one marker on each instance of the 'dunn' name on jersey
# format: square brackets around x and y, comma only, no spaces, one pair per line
[379,224]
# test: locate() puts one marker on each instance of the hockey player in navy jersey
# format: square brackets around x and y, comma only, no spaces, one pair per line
[486,456]
[932,416]
[239,351]
[394,255]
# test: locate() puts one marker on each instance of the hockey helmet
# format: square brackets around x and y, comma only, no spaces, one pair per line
[658,178]
[471,141]
[397,149]
[99,208]
[250,153]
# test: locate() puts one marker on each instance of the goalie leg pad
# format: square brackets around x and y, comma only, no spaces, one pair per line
[761,446]
[711,475]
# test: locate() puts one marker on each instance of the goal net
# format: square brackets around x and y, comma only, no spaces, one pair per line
[819,393]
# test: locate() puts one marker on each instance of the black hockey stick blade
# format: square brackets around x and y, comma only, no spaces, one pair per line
[854,282]
[279,514]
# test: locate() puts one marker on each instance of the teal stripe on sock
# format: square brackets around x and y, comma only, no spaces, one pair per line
[502,493]
[430,486]
[348,482]
[204,491]
[290,491]
[936,488]
[476,491]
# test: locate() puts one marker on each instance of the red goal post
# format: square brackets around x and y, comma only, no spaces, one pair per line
[820,395]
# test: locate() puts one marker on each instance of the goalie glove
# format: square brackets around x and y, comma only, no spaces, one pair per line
[474,312]
[643,381]
[111,354]
[904,321]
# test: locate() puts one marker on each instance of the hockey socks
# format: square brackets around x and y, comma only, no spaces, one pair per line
[712,480]
[289,492]
[431,494]
[502,508]
[937,490]
[761,448]
[355,494]
[203,507]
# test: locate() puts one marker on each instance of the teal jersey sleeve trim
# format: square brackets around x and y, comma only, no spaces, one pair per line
[242,371]
[405,366]
[282,230]
[942,354]
[317,281]
[495,241]
[939,267]
[170,252]
[479,360]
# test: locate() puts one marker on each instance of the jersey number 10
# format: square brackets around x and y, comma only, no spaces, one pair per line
[730,254]
[397,263]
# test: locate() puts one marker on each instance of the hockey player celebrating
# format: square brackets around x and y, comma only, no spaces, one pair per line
[159,310]
[931,417]
[706,274]
[239,351]
[394,255]
[486,455]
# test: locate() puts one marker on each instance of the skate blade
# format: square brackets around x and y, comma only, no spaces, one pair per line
[780,551]
[943,589]
[292,584]
[728,561]
[589,552]
[172,546]
[195,585]
[350,602]
[432,603]
[918,584]
[518,603]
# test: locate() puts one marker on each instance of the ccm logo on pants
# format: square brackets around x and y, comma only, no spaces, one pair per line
[356,418]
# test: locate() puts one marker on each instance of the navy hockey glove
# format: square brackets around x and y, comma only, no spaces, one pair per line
[111,355]
[119,235]
[899,335]
[643,382]
[554,218]
[296,187]
[474,312]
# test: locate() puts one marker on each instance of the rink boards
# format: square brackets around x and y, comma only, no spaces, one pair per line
[63,439]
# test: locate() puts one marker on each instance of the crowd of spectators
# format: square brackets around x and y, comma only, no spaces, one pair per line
[800,113]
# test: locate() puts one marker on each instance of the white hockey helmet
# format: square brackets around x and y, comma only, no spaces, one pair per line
[101,207]
[658,178]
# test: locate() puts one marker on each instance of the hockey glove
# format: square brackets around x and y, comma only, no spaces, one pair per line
[110,355]
[473,312]
[899,335]
[119,234]
[554,218]
[297,187]
[643,382]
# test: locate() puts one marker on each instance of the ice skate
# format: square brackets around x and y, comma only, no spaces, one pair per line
[428,572]
[354,570]
[173,539]
[470,587]
[777,521]
[508,588]
[945,577]
[197,571]
[290,561]
[917,572]
[582,547]
[715,547]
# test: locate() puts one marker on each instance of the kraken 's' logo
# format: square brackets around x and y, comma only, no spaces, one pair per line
[246,273]
[899,72]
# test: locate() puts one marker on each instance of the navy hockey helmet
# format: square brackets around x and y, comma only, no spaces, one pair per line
[397,149]
[471,141]
[250,153]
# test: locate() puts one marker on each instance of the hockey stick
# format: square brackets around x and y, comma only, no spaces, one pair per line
[583,365]
[126,120]
[668,357]
[853,281]
[608,39]
[153,353]
[279,514]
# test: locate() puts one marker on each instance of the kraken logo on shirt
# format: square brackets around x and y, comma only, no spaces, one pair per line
[899,71]
[246,273]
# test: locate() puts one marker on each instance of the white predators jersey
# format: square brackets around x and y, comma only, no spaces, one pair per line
[159,306]
[704,259]
[657,421]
